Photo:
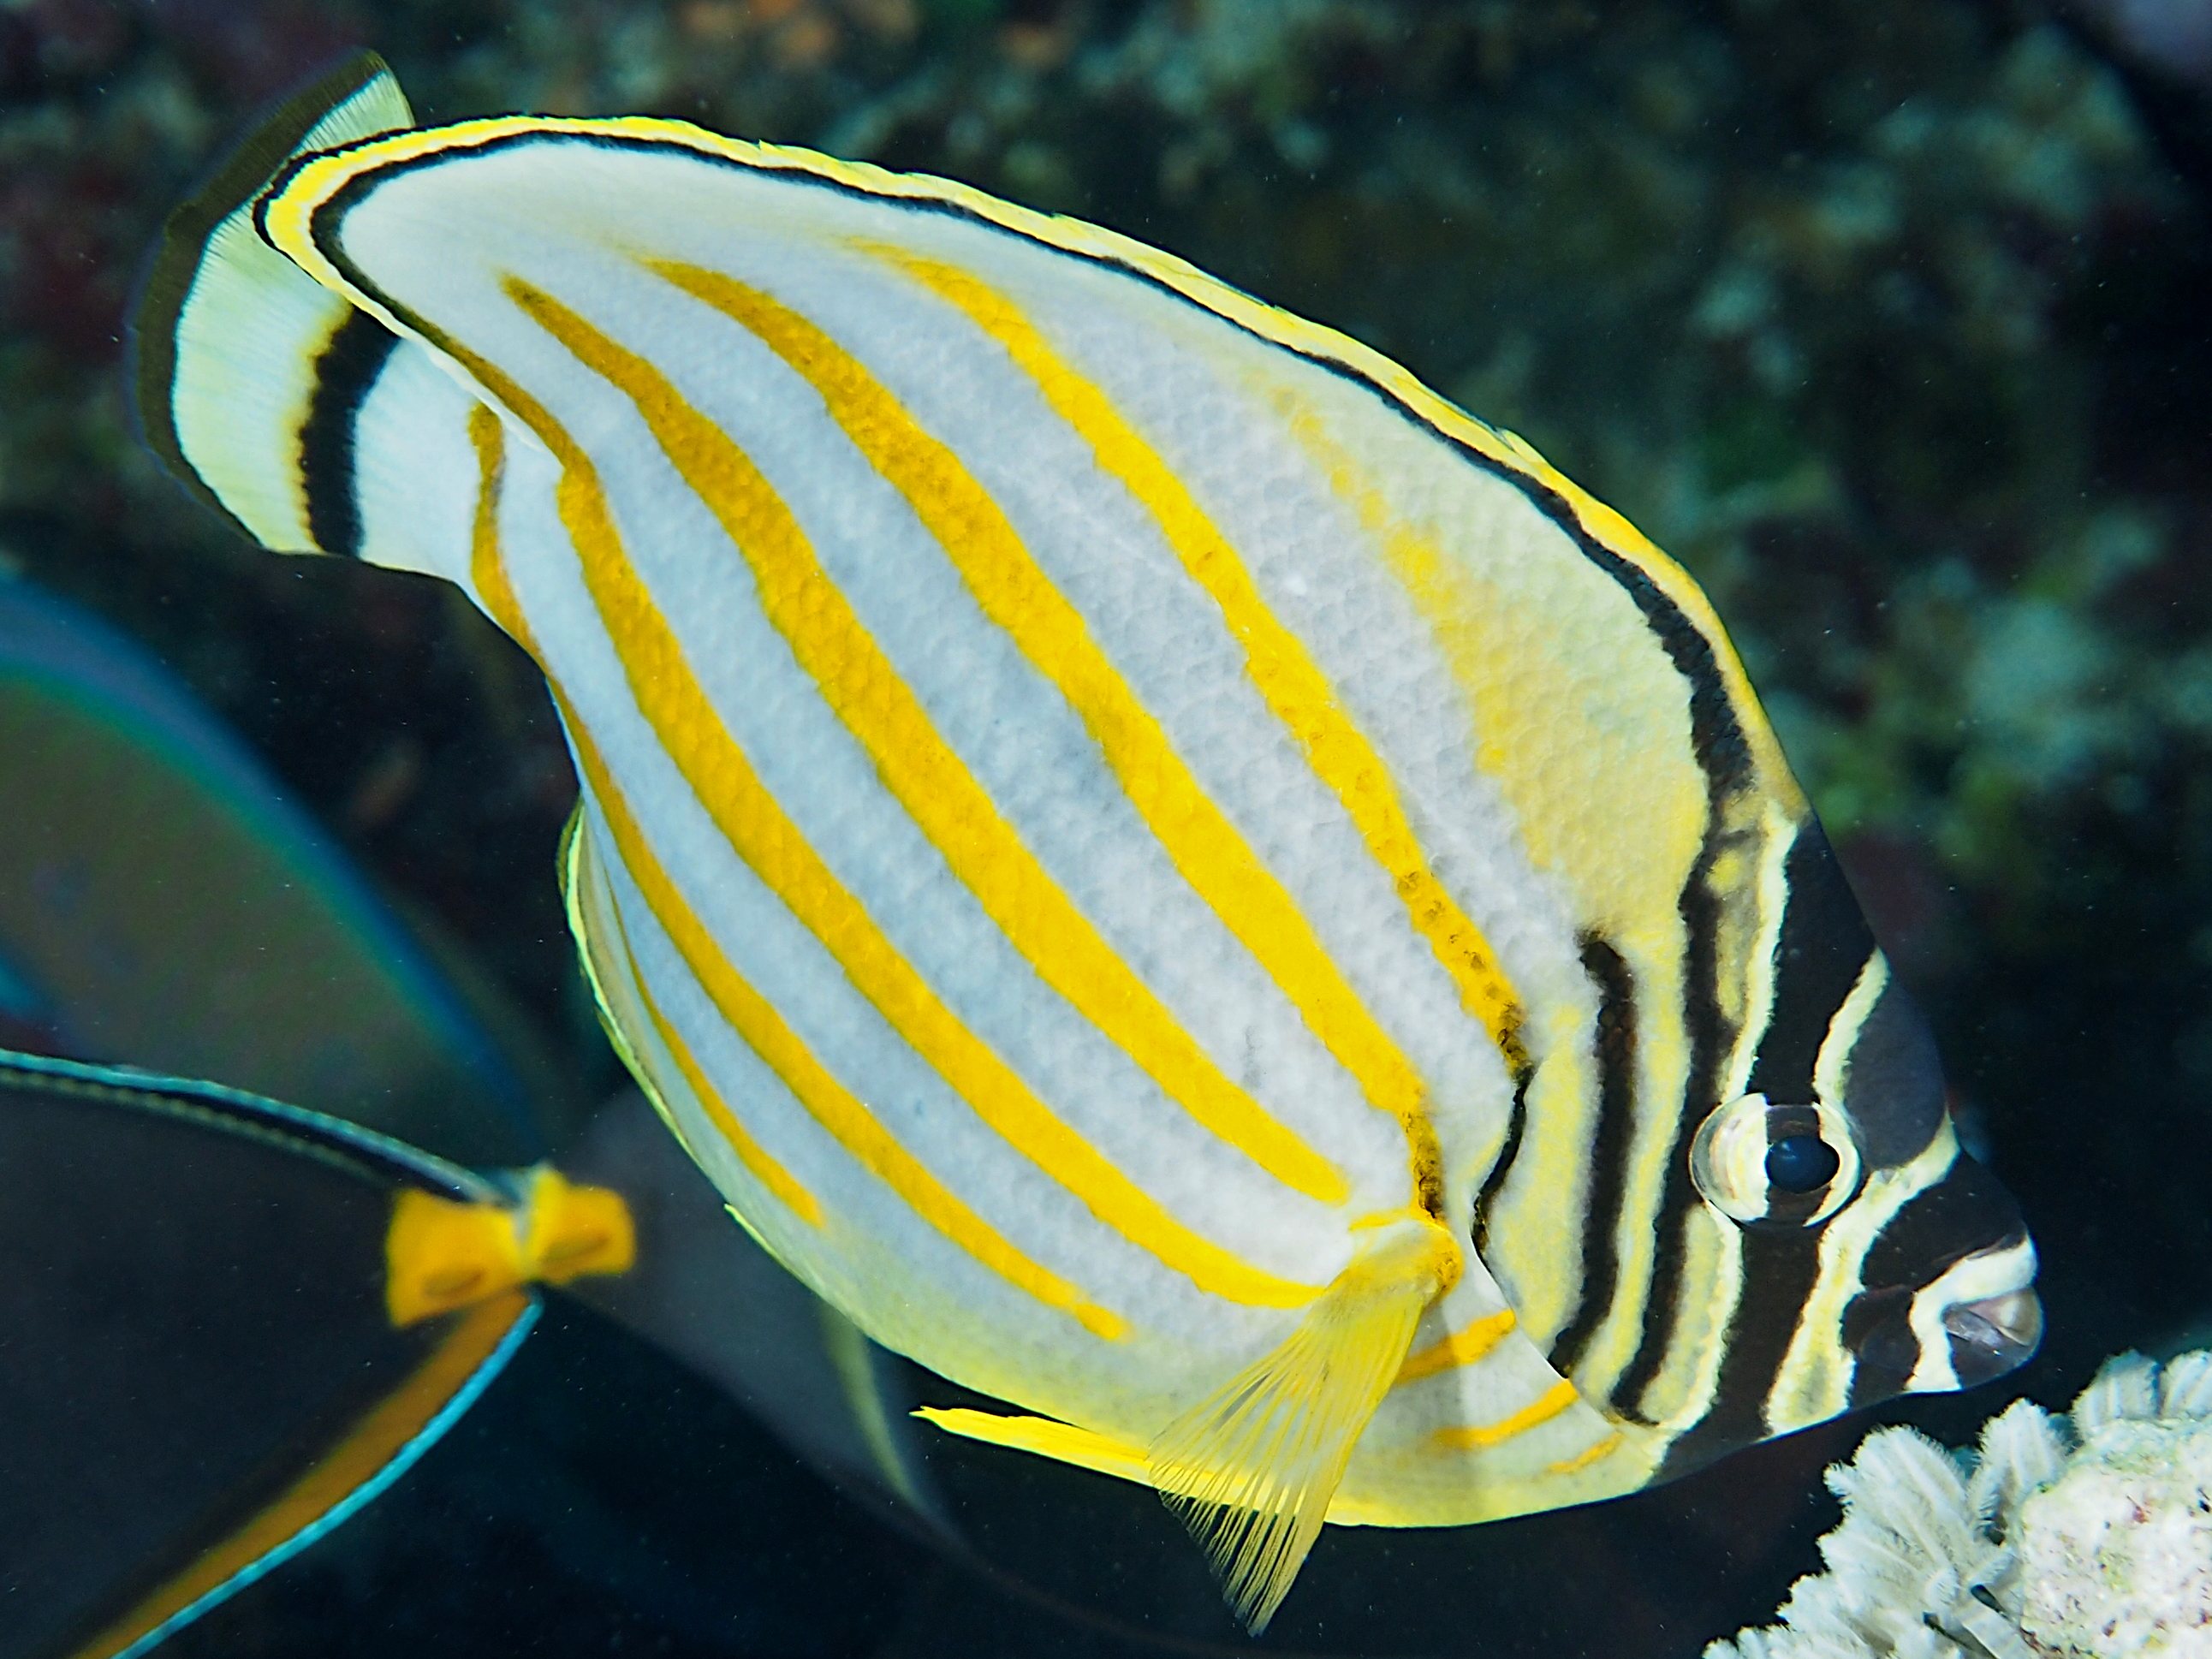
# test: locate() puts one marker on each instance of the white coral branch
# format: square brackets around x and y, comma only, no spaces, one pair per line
[2059,1538]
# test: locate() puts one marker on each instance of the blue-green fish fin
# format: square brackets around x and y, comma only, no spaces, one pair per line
[203,1276]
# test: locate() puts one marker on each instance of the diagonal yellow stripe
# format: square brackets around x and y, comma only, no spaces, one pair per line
[1588,1455]
[1287,677]
[1017,595]
[1551,1404]
[830,1104]
[1461,1347]
[488,573]
[669,697]
[750,1014]
[921,770]
[766,1168]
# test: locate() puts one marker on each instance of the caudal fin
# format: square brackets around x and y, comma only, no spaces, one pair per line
[1252,1467]
[247,371]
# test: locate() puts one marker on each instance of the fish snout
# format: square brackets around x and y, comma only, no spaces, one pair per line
[1993,1334]
[1978,1320]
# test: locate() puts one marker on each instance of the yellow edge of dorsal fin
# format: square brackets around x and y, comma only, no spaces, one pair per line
[230,338]
[1252,1468]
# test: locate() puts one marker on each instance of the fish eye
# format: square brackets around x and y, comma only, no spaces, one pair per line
[1761,1163]
[1801,1164]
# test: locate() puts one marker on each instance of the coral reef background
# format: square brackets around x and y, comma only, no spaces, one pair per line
[1888,318]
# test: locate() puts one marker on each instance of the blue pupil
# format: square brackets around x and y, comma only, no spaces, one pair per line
[1801,1164]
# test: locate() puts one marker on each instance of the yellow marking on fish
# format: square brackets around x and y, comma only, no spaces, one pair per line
[1017,595]
[1477,1437]
[1564,800]
[669,697]
[1295,688]
[486,564]
[1253,1467]
[1590,1455]
[750,1014]
[826,1100]
[921,770]
[1461,1347]
[1046,1437]
[488,571]
[765,1168]
[440,1253]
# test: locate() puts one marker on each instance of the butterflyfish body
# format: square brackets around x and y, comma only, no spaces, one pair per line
[1172,875]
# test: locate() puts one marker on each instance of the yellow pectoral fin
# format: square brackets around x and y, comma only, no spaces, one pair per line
[1041,1435]
[1252,1468]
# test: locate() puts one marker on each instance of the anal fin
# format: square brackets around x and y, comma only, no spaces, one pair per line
[1251,1469]
[1062,1442]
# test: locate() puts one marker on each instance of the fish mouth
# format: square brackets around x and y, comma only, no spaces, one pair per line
[1978,1320]
[1993,1335]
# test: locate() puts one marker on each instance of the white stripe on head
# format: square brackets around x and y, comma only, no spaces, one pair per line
[1975,1278]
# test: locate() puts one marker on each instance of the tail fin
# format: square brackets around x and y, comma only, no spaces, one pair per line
[1251,1469]
[246,370]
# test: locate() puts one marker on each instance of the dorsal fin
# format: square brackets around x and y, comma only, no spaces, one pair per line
[246,370]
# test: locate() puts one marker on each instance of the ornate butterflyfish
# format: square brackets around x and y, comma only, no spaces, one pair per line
[1172,875]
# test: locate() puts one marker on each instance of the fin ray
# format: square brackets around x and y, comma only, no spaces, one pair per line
[1252,1467]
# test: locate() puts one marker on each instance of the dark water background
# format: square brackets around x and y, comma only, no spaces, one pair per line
[1891,319]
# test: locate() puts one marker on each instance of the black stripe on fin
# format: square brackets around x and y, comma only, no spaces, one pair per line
[181,256]
[347,368]
[1610,1148]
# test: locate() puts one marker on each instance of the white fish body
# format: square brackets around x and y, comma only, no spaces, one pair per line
[1174,877]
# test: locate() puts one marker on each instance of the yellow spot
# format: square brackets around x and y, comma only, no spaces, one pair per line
[569,1231]
[1461,1347]
[1476,1438]
[440,1253]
